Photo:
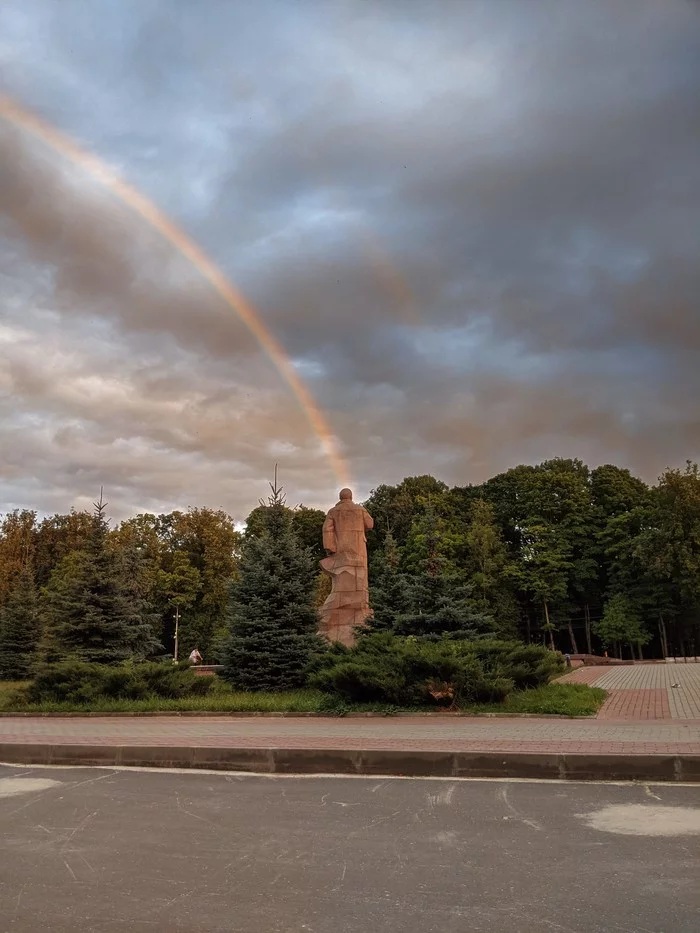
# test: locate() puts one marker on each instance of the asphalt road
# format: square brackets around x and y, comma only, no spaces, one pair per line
[103,851]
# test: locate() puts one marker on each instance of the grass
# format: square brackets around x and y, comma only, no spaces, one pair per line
[562,699]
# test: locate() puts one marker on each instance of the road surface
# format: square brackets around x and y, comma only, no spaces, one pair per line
[104,850]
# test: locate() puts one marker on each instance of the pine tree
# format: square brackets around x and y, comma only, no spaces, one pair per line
[438,599]
[388,587]
[92,609]
[19,628]
[272,618]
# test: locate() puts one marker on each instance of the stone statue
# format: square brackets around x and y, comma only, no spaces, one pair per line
[344,538]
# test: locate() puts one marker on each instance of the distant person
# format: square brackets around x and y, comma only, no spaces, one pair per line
[567,658]
[195,657]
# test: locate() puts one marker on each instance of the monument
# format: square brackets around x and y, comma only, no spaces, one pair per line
[344,538]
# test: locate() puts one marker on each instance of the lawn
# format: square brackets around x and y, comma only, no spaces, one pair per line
[562,699]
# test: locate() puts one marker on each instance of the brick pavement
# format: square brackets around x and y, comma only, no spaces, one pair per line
[556,736]
[645,691]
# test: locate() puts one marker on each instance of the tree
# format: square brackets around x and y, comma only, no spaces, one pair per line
[670,546]
[55,537]
[272,617]
[487,565]
[438,599]
[431,535]
[307,525]
[440,604]
[19,628]
[397,507]
[188,561]
[388,587]
[620,625]
[17,530]
[543,571]
[90,608]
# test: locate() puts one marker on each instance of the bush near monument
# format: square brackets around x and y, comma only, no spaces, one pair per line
[81,683]
[414,672]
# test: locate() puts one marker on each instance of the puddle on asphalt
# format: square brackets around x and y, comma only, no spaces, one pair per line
[9,787]
[638,819]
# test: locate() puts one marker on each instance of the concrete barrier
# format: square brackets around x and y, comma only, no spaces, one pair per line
[384,762]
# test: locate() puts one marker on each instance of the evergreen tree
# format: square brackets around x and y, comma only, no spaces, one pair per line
[441,604]
[438,599]
[92,610]
[19,628]
[272,617]
[388,588]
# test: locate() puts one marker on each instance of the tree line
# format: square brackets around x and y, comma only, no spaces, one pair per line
[557,553]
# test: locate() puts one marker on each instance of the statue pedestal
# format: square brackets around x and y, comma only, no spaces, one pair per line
[348,603]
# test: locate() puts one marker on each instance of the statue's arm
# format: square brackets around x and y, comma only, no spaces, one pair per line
[368,520]
[329,538]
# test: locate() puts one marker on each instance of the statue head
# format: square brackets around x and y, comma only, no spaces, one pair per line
[346,495]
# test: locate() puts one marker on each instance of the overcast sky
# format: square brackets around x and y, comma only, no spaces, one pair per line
[474,227]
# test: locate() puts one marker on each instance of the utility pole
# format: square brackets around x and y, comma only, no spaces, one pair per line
[177,631]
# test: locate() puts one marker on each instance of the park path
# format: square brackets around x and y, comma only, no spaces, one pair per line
[454,734]
[642,692]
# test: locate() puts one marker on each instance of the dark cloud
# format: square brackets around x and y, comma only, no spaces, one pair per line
[473,225]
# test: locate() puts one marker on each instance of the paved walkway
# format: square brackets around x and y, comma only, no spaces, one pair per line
[459,734]
[645,691]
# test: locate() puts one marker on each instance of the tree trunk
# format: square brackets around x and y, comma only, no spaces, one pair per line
[549,629]
[574,646]
[587,617]
[662,635]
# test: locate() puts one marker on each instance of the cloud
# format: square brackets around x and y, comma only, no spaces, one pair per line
[475,230]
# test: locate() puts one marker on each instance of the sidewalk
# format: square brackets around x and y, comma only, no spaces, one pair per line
[645,691]
[589,748]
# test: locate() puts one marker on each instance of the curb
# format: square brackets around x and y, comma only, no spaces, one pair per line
[243,714]
[385,762]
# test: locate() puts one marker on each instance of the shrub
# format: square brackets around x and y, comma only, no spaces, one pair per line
[526,665]
[384,668]
[83,683]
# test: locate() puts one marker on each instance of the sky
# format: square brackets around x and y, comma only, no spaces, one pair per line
[474,227]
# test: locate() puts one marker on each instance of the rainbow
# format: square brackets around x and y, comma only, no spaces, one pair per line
[237,302]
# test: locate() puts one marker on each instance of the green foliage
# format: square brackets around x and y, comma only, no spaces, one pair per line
[538,550]
[413,672]
[526,665]
[438,605]
[432,600]
[273,619]
[307,525]
[82,683]
[556,700]
[388,587]
[91,607]
[620,624]
[19,628]
[395,508]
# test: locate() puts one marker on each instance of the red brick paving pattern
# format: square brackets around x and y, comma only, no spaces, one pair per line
[645,691]
[636,705]
[554,736]
[583,675]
